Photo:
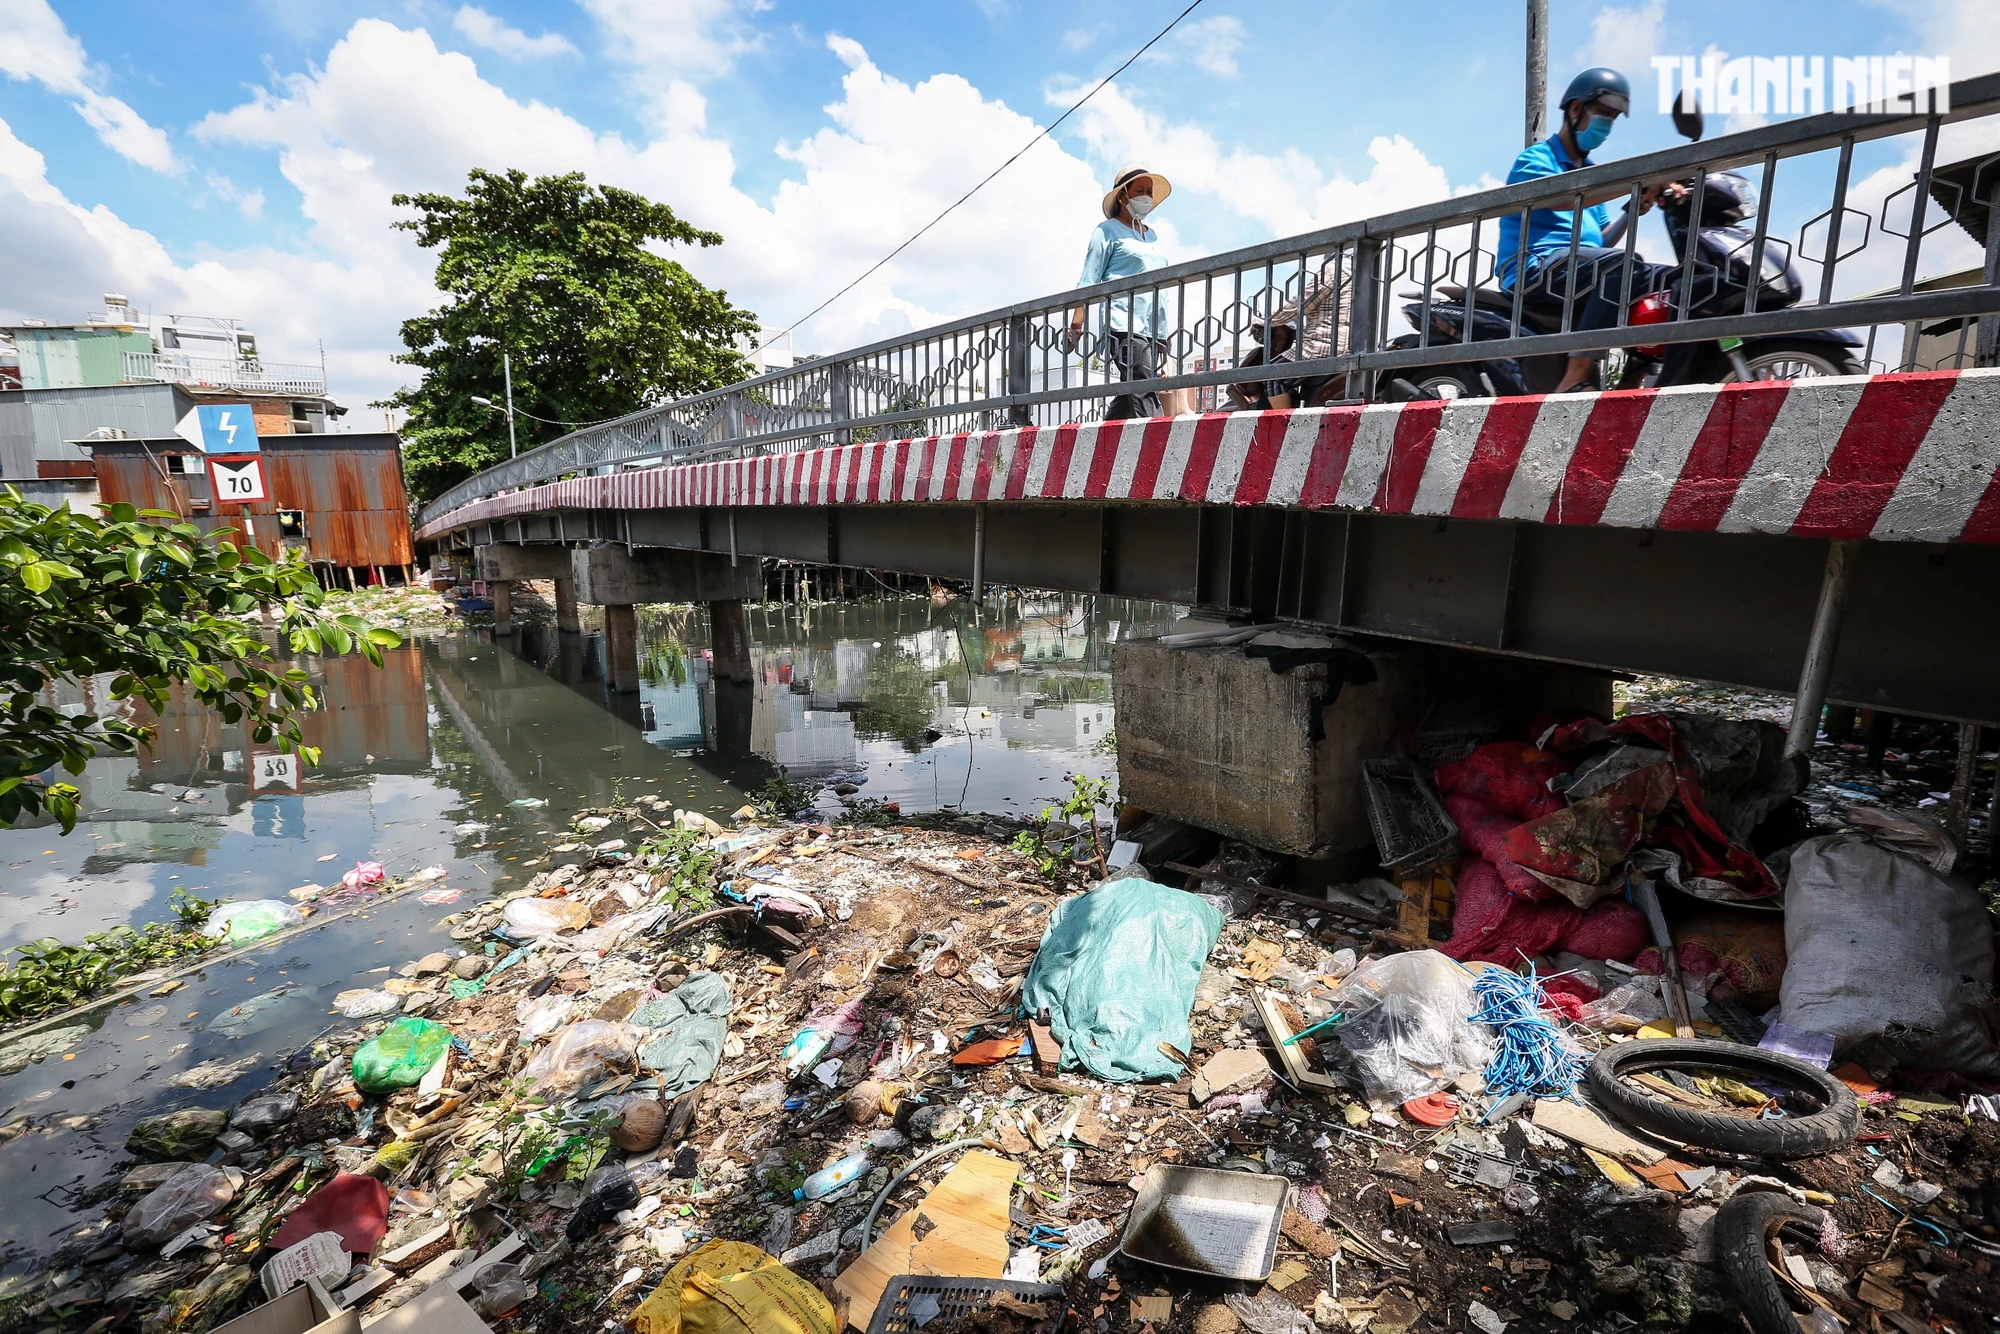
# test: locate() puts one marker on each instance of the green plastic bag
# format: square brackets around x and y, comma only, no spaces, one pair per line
[401,1056]
[1117,971]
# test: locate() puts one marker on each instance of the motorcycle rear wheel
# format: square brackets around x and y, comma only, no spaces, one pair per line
[1799,361]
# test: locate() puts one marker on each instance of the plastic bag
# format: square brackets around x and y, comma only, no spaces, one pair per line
[183,1134]
[498,1289]
[1117,972]
[367,1003]
[533,919]
[731,1287]
[581,1053]
[357,1207]
[364,875]
[400,1056]
[264,1113]
[252,919]
[1406,1029]
[1269,1313]
[1887,954]
[543,1015]
[687,1029]
[184,1199]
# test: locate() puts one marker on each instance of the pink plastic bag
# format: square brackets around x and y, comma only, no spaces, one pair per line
[363,874]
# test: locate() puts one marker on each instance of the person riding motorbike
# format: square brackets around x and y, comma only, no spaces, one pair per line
[1590,105]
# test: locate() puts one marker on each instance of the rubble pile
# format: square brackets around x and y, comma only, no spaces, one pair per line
[757,1077]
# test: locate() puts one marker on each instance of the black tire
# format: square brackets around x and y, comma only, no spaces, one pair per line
[1835,1122]
[1741,1228]
[1804,358]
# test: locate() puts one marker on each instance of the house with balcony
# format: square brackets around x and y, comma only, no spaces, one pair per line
[121,374]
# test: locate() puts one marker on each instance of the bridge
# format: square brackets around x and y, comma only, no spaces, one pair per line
[1836,537]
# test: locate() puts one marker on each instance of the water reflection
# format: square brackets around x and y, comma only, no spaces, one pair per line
[935,705]
[474,756]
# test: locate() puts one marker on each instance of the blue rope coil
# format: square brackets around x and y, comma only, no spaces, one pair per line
[1530,1057]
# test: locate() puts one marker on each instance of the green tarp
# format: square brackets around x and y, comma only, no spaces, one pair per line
[1117,971]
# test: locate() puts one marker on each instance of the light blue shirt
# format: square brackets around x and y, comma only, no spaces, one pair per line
[1117,251]
[1548,228]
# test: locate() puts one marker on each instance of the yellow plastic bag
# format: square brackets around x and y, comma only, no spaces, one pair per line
[731,1287]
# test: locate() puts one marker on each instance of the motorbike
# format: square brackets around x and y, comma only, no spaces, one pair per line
[1723,269]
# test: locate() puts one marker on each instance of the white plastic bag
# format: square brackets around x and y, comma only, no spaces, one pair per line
[1625,1008]
[184,1199]
[581,1053]
[367,1003]
[532,919]
[1882,949]
[1406,1027]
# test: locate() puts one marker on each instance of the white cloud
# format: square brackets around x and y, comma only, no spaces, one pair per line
[250,202]
[1626,38]
[1076,39]
[686,38]
[1209,45]
[34,44]
[484,30]
[1286,193]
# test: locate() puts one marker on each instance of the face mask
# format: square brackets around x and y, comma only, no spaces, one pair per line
[1139,206]
[1592,136]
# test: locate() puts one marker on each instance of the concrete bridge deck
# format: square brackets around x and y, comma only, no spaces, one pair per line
[1683,531]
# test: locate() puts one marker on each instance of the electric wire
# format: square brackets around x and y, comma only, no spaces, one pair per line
[1040,135]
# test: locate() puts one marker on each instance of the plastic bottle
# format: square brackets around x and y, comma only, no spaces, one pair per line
[805,1050]
[830,1179]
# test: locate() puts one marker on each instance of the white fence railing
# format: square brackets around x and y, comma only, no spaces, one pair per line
[273,377]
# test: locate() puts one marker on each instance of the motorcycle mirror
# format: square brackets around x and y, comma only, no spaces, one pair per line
[1687,120]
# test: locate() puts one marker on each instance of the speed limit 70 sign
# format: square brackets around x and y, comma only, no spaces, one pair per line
[237,481]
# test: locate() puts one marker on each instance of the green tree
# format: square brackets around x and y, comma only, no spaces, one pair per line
[560,274]
[153,603]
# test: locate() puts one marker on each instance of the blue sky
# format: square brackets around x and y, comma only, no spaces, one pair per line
[236,158]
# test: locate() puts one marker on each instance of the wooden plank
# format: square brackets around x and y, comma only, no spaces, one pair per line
[967,1235]
[1580,1125]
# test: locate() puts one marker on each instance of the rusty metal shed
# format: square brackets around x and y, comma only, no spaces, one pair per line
[345,492]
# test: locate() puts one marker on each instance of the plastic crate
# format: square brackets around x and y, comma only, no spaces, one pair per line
[957,1297]
[1411,828]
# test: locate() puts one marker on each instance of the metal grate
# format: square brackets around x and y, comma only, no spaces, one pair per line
[960,1297]
[1411,829]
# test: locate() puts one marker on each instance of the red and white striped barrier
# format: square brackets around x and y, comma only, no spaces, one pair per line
[1892,457]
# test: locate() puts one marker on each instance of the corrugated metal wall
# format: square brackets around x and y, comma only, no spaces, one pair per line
[349,486]
[36,423]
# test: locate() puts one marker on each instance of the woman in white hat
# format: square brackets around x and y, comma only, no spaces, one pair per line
[1135,327]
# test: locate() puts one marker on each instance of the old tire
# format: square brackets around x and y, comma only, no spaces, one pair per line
[1741,1228]
[1835,1123]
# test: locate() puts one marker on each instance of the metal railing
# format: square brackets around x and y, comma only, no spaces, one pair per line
[1023,365]
[271,377]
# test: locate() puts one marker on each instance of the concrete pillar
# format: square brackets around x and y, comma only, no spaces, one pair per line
[729,638]
[621,647]
[566,617]
[502,593]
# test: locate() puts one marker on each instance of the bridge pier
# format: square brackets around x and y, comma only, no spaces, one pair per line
[567,619]
[729,639]
[501,593]
[621,648]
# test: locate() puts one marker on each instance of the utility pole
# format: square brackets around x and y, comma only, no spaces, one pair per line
[1538,68]
[507,371]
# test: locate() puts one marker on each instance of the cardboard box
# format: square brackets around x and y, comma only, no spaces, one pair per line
[306,1309]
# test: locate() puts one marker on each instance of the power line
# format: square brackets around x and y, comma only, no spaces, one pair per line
[1049,130]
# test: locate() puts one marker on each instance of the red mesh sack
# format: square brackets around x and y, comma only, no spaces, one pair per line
[1511,777]
[1483,830]
[1490,923]
[1567,994]
[1610,929]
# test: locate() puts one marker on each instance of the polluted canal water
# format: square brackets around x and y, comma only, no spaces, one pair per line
[472,755]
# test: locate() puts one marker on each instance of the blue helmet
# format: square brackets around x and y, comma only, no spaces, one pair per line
[1599,85]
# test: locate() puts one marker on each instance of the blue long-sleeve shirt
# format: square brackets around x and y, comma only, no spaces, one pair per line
[1548,228]
[1118,251]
